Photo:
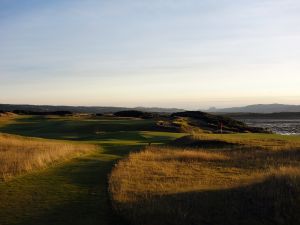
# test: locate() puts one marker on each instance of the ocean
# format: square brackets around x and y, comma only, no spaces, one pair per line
[279,126]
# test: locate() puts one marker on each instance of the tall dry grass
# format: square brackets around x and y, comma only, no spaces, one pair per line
[19,154]
[262,141]
[167,185]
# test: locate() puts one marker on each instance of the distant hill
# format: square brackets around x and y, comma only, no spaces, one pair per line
[281,115]
[156,109]
[260,108]
[81,109]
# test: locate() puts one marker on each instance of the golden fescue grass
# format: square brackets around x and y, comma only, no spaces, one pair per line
[7,114]
[19,154]
[262,141]
[7,118]
[166,185]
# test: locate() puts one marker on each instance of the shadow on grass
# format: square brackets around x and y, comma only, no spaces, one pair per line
[73,193]
[88,131]
[40,126]
[188,141]
[121,150]
[271,202]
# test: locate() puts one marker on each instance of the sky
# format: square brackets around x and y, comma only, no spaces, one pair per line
[190,54]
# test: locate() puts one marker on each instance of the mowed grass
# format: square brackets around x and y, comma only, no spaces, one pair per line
[70,193]
[77,128]
[73,192]
[229,185]
[19,155]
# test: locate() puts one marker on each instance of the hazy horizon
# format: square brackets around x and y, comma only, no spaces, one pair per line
[139,106]
[184,54]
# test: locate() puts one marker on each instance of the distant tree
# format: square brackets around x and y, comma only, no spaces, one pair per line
[134,113]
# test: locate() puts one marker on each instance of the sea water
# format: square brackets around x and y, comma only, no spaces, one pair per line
[279,126]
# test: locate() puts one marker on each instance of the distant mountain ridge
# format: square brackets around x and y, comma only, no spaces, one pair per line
[82,109]
[259,108]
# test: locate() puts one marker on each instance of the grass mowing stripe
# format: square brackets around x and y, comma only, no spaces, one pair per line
[73,193]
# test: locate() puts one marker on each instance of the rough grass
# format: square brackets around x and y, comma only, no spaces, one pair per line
[74,191]
[195,186]
[19,154]
[239,140]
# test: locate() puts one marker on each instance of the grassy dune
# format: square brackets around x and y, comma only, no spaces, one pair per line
[239,140]
[19,154]
[222,186]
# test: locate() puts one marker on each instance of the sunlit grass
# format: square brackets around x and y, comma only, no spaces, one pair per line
[72,191]
[19,154]
[171,185]
[264,141]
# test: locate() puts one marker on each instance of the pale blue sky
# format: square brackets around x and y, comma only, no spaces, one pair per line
[170,53]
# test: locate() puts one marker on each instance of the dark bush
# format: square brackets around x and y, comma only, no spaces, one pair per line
[58,113]
[135,114]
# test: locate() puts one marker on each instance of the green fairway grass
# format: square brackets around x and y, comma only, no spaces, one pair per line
[76,191]
[81,129]
[73,192]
